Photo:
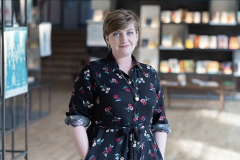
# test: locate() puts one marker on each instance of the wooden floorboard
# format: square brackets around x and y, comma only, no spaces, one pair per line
[199,131]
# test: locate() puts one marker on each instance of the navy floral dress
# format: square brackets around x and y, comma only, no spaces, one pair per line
[119,128]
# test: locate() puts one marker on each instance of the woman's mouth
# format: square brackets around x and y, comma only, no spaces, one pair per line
[123,46]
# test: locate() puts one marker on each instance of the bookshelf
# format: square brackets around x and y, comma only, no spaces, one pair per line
[182,29]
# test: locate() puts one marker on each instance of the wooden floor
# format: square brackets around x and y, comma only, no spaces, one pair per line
[199,131]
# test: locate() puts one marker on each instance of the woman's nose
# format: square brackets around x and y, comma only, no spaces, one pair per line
[123,38]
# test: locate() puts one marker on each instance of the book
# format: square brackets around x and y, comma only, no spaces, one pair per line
[216,17]
[173,16]
[189,17]
[205,17]
[189,66]
[203,42]
[222,41]
[213,67]
[231,18]
[200,68]
[186,66]
[227,69]
[164,66]
[224,17]
[163,16]
[178,16]
[166,16]
[167,40]
[233,43]
[182,66]
[189,44]
[205,65]
[177,41]
[196,17]
[196,41]
[173,65]
[212,42]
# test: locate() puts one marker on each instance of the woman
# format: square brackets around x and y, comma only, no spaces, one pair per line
[122,99]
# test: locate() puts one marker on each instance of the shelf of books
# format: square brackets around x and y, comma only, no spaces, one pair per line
[200,39]
[204,67]
[224,12]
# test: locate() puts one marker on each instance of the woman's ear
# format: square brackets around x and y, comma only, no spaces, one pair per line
[137,35]
[107,39]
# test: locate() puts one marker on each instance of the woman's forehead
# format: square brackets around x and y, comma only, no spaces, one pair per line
[129,27]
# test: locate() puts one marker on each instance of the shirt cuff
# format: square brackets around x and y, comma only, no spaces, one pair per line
[77,120]
[161,127]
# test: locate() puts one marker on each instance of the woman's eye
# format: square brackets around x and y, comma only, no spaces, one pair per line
[115,34]
[130,33]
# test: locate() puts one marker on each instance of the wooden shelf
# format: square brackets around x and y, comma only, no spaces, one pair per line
[183,23]
[196,49]
[171,48]
[223,24]
[226,75]
[204,24]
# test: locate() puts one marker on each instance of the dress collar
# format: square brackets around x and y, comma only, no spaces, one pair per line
[113,66]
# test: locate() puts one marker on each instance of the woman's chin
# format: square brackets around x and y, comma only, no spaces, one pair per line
[125,51]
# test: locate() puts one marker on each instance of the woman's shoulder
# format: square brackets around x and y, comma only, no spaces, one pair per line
[147,68]
[96,63]
[93,67]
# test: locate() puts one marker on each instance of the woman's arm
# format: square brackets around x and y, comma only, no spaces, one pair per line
[80,139]
[161,139]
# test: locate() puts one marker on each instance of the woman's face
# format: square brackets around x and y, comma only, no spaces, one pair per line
[123,42]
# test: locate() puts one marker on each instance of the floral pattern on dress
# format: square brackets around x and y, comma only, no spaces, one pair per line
[121,128]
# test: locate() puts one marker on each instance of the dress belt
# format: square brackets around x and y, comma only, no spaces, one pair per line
[135,131]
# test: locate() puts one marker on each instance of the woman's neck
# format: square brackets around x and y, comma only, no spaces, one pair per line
[125,64]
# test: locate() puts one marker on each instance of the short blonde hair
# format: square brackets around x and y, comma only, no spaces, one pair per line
[119,19]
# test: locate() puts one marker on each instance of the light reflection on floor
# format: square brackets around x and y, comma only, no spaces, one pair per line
[202,132]
[195,150]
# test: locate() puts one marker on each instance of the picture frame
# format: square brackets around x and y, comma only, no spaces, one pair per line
[45,30]
[15,61]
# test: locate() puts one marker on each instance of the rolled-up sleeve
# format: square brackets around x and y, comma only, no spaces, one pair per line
[82,98]
[160,122]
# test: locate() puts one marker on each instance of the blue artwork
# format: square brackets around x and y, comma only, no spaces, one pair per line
[15,61]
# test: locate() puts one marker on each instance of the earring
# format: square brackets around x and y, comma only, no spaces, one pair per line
[109,47]
[136,44]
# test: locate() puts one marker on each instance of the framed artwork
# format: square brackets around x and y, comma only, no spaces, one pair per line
[45,30]
[15,61]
